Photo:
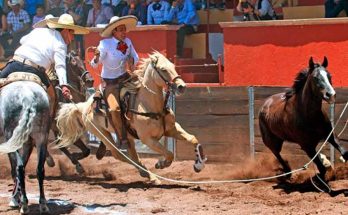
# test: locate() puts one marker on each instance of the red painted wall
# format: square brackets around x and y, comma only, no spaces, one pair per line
[162,39]
[272,54]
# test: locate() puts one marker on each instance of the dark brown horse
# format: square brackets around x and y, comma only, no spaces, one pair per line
[79,80]
[297,115]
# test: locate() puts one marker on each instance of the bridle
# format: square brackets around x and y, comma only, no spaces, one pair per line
[171,86]
[81,78]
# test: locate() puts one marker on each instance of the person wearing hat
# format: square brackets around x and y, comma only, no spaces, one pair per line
[18,21]
[115,53]
[43,47]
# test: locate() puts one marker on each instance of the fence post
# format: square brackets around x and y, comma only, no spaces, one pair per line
[332,119]
[171,144]
[251,121]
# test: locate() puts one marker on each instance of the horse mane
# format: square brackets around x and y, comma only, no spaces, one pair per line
[144,62]
[299,82]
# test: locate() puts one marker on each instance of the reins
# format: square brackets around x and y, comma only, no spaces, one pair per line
[165,111]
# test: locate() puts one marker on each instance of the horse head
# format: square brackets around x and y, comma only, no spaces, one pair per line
[166,75]
[78,72]
[321,80]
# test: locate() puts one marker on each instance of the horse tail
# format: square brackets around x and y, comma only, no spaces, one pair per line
[72,120]
[21,133]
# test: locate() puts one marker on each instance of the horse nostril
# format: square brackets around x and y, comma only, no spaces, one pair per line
[328,95]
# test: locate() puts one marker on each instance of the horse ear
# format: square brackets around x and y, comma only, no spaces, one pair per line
[325,62]
[311,64]
[154,59]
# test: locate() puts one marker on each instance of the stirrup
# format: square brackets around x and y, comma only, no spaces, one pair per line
[200,159]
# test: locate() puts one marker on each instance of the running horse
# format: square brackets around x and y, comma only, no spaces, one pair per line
[150,120]
[79,80]
[297,115]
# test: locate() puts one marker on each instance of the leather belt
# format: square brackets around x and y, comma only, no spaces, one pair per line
[122,78]
[27,62]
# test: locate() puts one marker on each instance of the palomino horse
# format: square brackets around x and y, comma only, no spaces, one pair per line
[79,80]
[24,122]
[151,118]
[297,115]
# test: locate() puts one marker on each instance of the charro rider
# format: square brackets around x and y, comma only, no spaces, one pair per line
[118,56]
[43,47]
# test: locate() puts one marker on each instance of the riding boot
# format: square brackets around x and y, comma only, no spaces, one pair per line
[101,151]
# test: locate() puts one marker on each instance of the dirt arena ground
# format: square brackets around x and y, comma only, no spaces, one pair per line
[112,187]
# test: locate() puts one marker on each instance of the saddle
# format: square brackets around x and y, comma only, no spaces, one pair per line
[21,76]
[25,76]
[101,106]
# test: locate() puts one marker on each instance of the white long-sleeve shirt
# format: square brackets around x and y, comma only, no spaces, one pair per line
[112,59]
[45,46]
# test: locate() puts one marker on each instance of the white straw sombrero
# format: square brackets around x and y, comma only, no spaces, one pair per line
[129,21]
[43,23]
[15,2]
[66,21]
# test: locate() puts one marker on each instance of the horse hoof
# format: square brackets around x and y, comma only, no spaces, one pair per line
[44,209]
[143,174]
[345,156]
[13,203]
[79,169]
[24,209]
[199,165]
[50,162]
[161,164]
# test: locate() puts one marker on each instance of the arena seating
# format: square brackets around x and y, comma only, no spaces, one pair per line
[306,12]
[215,16]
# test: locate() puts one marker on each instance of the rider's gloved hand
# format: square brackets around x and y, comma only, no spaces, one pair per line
[66,93]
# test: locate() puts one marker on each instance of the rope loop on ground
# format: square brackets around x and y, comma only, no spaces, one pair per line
[305,166]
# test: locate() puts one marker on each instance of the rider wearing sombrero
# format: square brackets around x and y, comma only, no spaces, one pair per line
[118,56]
[43,47]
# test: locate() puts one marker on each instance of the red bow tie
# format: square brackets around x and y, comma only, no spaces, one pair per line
[122,47]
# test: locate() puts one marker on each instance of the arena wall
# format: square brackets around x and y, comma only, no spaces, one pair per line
[271,53]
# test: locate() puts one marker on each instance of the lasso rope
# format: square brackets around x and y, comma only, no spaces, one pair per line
[305,166]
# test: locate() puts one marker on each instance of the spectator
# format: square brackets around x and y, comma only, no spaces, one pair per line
[18,21]
[4,35]
[99,14]
[136,8]
[40,14]
[117,6]
[334,7]
[156,12]
[31,5]
[75,9]
[87,5]
[185,13]
[55,7]
[256,10]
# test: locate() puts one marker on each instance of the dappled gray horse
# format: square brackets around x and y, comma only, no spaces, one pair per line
[24,122]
